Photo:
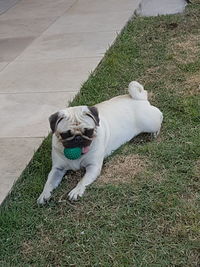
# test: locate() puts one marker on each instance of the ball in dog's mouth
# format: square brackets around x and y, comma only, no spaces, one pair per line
[75,152]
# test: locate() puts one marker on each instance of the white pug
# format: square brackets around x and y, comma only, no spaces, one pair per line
[98,131]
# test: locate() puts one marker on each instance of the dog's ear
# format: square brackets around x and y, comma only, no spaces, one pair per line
[54,119]
[94,114]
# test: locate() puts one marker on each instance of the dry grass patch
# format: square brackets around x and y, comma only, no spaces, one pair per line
[160,176]
[185,50]
[27,248]
[192,85]
[122,169]
[45,242]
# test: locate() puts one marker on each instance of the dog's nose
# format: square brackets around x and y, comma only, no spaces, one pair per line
[78,138]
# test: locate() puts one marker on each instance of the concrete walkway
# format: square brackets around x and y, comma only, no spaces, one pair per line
[47,50]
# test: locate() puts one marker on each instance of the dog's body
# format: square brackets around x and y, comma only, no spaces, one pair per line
[113,123]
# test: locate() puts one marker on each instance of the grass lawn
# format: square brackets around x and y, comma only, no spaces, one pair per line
[143,210]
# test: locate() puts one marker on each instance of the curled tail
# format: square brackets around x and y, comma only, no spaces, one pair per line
[136,91]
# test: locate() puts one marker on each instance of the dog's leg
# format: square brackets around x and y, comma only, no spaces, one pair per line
[92,172]
[54,178]
[155,135]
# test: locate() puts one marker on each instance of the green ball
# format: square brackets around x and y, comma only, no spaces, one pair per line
[72,153]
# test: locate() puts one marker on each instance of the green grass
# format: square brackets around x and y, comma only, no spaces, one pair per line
[152,221]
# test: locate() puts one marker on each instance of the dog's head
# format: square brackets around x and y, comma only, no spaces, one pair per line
[75,126]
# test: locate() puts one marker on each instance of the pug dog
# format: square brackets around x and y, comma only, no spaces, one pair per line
[98,131]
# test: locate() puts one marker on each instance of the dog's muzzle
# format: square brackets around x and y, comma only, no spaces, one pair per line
[77,141]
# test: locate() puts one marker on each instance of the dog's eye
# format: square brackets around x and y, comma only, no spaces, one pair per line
[88,132]
[66,135]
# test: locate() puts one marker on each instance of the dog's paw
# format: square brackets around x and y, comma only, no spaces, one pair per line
[43,198]
[78,191]
[155,135]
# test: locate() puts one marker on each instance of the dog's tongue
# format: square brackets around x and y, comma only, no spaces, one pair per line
[85,149]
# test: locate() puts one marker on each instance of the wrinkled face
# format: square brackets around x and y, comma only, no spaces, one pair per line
[77,138]
[75,126]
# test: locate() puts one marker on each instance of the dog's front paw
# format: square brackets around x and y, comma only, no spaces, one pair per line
[78,191]
[43,198]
